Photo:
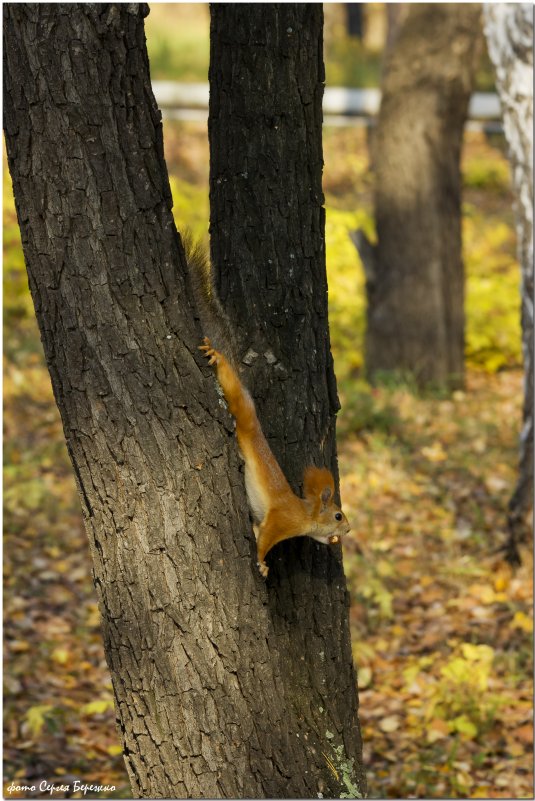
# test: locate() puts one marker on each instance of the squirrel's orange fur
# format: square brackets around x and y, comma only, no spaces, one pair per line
[279,514]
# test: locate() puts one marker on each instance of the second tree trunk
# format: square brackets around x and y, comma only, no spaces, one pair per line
[267,240]
[415,277]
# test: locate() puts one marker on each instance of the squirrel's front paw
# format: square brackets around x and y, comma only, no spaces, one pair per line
[263,568]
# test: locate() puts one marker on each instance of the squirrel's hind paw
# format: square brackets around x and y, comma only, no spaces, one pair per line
[211,354]
[263,568]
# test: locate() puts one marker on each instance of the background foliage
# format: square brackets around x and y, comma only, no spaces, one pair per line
[442,629]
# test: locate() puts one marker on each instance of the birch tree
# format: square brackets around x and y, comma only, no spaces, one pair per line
[509,33]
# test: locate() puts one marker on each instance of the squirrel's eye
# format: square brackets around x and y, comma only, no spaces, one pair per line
[338,516]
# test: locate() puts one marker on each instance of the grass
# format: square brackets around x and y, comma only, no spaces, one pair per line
[178,41]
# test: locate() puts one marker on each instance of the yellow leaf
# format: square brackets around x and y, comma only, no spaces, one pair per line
[114,750]
[457,670]
[410,673]
[385,568]
[96,707]
[35,718]
[464,725]
[483,592]
[501,582]
[477,653]
[398,631]
[522,621]
[60,655]
[434,452]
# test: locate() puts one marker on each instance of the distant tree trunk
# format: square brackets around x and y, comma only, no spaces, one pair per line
[211,700]
[267,239]
[509,32]
[415,278]
[354,20]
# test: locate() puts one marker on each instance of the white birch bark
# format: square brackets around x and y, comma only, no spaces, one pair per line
[509,34]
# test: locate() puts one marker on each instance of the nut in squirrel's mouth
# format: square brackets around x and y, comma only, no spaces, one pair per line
[334,539]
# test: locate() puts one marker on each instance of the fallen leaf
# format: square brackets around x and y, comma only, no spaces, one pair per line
[97,707]
[364,677]
[18,646]
[60,655]
[464,725]
[434,452]
[437,730]
[524,733]
[389,724]
[522,621]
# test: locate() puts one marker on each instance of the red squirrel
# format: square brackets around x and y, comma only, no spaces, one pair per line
[278,512]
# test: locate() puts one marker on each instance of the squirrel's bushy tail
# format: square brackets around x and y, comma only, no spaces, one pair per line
[214,320]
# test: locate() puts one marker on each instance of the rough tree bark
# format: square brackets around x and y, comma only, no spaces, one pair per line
[197,650]
[267,239]
[415,278]
[509,33]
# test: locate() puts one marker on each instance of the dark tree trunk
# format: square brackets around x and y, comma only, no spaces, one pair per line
[354,19]
[509,32]
[415,277]
[205,701]
[267,238]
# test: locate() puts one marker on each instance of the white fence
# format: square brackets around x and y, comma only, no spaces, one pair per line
[340,106]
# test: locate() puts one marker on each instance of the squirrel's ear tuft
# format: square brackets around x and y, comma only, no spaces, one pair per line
[319,485]
[326,496]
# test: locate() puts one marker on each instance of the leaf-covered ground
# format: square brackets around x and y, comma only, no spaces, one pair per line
[442,629]
[441,625]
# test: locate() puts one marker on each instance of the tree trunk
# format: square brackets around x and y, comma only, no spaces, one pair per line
[415,279]
[205,703]
[395,14]
[354,20]
[267,239]
[509,32]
